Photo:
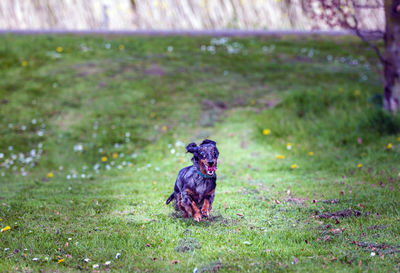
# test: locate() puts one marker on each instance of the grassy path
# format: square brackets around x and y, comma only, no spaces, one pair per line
[105,120]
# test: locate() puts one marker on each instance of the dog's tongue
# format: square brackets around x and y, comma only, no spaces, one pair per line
[211,169]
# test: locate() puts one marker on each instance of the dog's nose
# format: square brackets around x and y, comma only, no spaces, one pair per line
[210,163]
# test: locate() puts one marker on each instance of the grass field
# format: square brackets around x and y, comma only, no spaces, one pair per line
[93,132]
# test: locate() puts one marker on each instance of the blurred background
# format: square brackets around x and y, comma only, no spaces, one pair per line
[165,15]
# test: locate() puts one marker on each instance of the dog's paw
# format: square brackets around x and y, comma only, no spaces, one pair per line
[205,213]
[197,218]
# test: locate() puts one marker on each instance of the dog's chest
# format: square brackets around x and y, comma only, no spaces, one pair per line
[200,190]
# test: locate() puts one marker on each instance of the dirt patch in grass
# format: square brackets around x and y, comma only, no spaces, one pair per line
[212,267]
[87,69]
[341,214]
[296,200]
[330,201]
[187,244]
[378,248]
[154,70]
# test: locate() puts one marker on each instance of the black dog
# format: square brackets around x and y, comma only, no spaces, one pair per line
[195,185]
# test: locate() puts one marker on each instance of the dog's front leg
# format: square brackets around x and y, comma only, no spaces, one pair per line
[206,208]
[190,206]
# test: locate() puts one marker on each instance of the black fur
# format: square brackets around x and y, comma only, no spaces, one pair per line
[190,186]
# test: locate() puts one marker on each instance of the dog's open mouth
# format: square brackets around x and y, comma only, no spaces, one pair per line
[210,169]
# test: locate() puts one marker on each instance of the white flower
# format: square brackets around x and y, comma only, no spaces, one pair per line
[107,263]
[33,121]
[117,255]
[95,266]
[170,48]
[86,260]
[373,254]
[35,259]
[1,155]
[172,151]
[78,147]
[108,45]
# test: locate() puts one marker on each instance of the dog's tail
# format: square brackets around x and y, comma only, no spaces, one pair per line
[170,198]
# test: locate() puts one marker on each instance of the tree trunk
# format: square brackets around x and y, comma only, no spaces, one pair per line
[392,56]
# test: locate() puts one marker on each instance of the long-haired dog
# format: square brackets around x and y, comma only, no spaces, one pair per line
[195,185]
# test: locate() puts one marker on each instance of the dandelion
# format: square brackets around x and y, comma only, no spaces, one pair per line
[280,157]
[294,166]
[311,153]
[121,47]
[389,146]
[266,132]
[104,159]
[61,260]
[359,165]
[357,92]
[114,155]
[50,175]
[59,49]
[24,63]
[5,228]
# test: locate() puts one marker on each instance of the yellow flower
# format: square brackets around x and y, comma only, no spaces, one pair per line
[114,155]
[121,47]
[5,228]
[164,128]
[357,92]
[24,63]
[280,157]
[104,159]
[50,175]
[252,102]
[61,260]
[389,146]
[311,153]
[294,166]
[363,154]
[398,139]
[59,49]
[266,132]
[359,165]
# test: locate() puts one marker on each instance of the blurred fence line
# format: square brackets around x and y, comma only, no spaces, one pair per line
[161,15]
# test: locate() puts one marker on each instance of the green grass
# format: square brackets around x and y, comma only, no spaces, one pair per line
[142,99]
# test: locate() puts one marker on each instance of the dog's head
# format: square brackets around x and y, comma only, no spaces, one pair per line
[205,156]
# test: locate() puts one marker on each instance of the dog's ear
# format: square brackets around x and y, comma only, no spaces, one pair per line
[192,148]
[208,141]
